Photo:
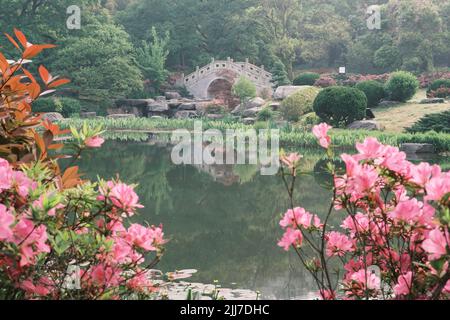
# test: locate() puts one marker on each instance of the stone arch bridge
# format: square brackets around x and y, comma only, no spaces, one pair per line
[216,79]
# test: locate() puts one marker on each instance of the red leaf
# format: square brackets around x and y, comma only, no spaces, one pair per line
[58,83]
[45,75]
[35,49]
[21,37]
[4,65]
[12,41]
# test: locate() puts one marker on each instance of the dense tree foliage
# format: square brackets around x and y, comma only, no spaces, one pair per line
[306,34]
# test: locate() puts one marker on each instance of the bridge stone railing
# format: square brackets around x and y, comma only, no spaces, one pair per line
[258,75]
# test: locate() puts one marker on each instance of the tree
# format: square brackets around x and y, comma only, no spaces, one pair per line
[279,74]
[99,62]
[244,89]
[151,58]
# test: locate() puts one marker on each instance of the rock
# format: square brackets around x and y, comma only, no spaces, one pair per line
[255,103]
[275,105]
[237,109]
[134,102]
[432,100]
[185,114]
[248,113]
[157,117]
[215,116]
[174,104]
[413,148]
[88,115]
[158,106]
[121,116]
[172,95]
[160,98]
[283,92]
[364,125]
[369,114]
[388,103]
[248,120]
[52,116]
[187,106]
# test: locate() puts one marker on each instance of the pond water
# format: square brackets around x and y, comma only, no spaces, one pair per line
[221,220]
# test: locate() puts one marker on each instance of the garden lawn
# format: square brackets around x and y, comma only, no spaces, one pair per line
[396,118]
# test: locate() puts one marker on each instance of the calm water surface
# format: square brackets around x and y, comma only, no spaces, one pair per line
[221,220]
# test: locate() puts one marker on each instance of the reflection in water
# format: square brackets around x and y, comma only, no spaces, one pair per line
[221,220]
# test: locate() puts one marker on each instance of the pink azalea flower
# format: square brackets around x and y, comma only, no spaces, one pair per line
[404,284]
[6,220]
[358,223]
[291,160]
[94,142]
[103,275]
[436,244]
[365,178]
[369,149]
[320,131]
[6,174]
[124,197]
[291,237]
[369,281]
[423,172]
[299,217]
[32,240]
[22,183]
[338,244]
[407,211]
[145,238]
[438,187]
[351,164]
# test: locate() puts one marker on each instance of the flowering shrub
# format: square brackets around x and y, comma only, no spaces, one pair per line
[393,242]
[62,237]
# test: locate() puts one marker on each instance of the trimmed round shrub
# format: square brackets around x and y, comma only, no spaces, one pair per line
[306,79]
[65,106]
[373,90]
[402,86]
[439,122]
[299,103]
[340,105]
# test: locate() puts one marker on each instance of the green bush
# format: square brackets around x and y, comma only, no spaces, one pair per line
[439,122]
[340,105]
[308,120]
[373,90]
[298,104]
[402,86]
[65,106]
[440,83]
[306,79]
[265,114]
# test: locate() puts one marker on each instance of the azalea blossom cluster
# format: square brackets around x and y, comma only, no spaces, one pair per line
[44,230]
[393,241]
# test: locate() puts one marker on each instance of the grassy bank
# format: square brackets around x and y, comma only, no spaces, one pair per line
[295,137]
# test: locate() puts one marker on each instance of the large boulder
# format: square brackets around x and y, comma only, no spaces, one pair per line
[365,125]
[172,95]
[250,113]
[134,102]
[213,116]
[52,116]
[255,103]
[174,104]
[412,148]
[158,106]
[283,92]
[187,106]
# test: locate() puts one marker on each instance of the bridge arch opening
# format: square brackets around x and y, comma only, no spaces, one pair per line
[220,89]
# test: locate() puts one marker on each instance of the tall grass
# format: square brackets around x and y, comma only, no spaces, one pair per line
[295,137]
